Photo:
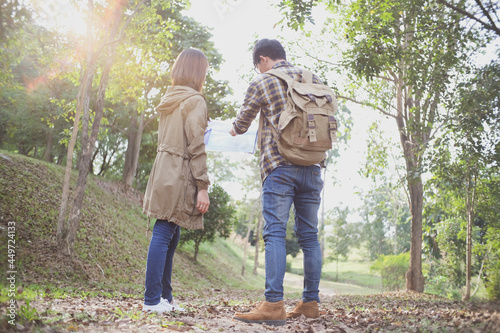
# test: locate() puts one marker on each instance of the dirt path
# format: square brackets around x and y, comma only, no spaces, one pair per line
[295,282]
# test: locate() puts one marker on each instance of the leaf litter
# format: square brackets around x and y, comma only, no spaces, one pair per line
[213,310]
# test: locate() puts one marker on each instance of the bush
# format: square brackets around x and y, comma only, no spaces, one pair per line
[441,285]
[392,269]
[492,282]
[217,223]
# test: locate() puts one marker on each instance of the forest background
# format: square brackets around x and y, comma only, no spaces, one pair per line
[80,81]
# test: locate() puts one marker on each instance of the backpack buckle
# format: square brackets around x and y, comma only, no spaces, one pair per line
[312,127]
[333,128]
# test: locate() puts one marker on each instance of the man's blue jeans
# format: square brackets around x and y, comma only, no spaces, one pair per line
[300,185]
[162,247]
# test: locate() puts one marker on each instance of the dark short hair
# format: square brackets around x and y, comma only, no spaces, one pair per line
[268,48]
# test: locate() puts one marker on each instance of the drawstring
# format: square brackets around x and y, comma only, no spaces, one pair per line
[147,230]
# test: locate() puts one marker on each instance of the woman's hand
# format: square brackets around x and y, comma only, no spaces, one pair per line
[203,201]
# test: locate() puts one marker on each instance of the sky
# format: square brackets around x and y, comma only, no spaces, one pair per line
[235,26]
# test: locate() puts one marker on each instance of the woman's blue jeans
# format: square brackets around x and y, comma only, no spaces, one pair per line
[162,247]
[300,186]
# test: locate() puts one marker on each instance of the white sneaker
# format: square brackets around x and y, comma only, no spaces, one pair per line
[161,307]
[173,305]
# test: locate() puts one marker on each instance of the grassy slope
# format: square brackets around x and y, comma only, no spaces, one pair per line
[111,245]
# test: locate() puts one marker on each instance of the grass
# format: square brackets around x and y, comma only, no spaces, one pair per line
[111,246]
[347,277]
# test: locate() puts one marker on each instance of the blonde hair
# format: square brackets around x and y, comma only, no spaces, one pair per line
[190,69]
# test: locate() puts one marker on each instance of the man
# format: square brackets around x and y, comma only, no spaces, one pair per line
[283,184]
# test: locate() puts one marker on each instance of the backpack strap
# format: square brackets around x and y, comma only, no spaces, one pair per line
[307,76]
[279,74]
[259,132]
[261,128]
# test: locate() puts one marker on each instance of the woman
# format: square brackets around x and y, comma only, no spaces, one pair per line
[176,194]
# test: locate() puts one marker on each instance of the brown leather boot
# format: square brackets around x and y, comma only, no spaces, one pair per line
[265,313]
[309,309]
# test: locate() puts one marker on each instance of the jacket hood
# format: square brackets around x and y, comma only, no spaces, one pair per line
[174,96]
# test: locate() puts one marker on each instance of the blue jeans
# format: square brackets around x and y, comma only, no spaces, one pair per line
[162,247]
[300,185]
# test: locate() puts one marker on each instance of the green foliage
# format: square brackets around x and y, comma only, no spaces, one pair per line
[493,280]
[465,181]
[291,241]
[452,248]
[218,221]
[38,100]
[342,235]
[220,168]
[15,19]
[31,122]
[383,212]
[403,52]
[442,286]
[28,313]
[392,269]
[297,12]
[492,265]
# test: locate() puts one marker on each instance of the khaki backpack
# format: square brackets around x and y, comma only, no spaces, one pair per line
[307,126]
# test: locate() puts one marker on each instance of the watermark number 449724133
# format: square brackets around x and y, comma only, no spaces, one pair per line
[11,272]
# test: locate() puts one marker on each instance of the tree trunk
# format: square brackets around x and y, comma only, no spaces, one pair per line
[128,175]
[411,150]
[470,202]
[83,98]
[468,257]
[47,155]
[395,211]
[67,243]
[133,148]
[257,242]
[414,276]
[337,275]
[87,150]
[249,229]
[196,250]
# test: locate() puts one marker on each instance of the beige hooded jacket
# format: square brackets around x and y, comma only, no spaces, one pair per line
[180,168]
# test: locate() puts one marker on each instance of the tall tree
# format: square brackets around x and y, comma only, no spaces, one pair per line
[105,27]
[405,51]
[474,134]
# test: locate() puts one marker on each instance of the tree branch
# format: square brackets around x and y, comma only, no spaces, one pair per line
[493,27]
[485,12]
[367,104]
[149,120]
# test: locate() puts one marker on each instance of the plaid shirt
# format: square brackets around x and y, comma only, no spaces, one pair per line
[267,93]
